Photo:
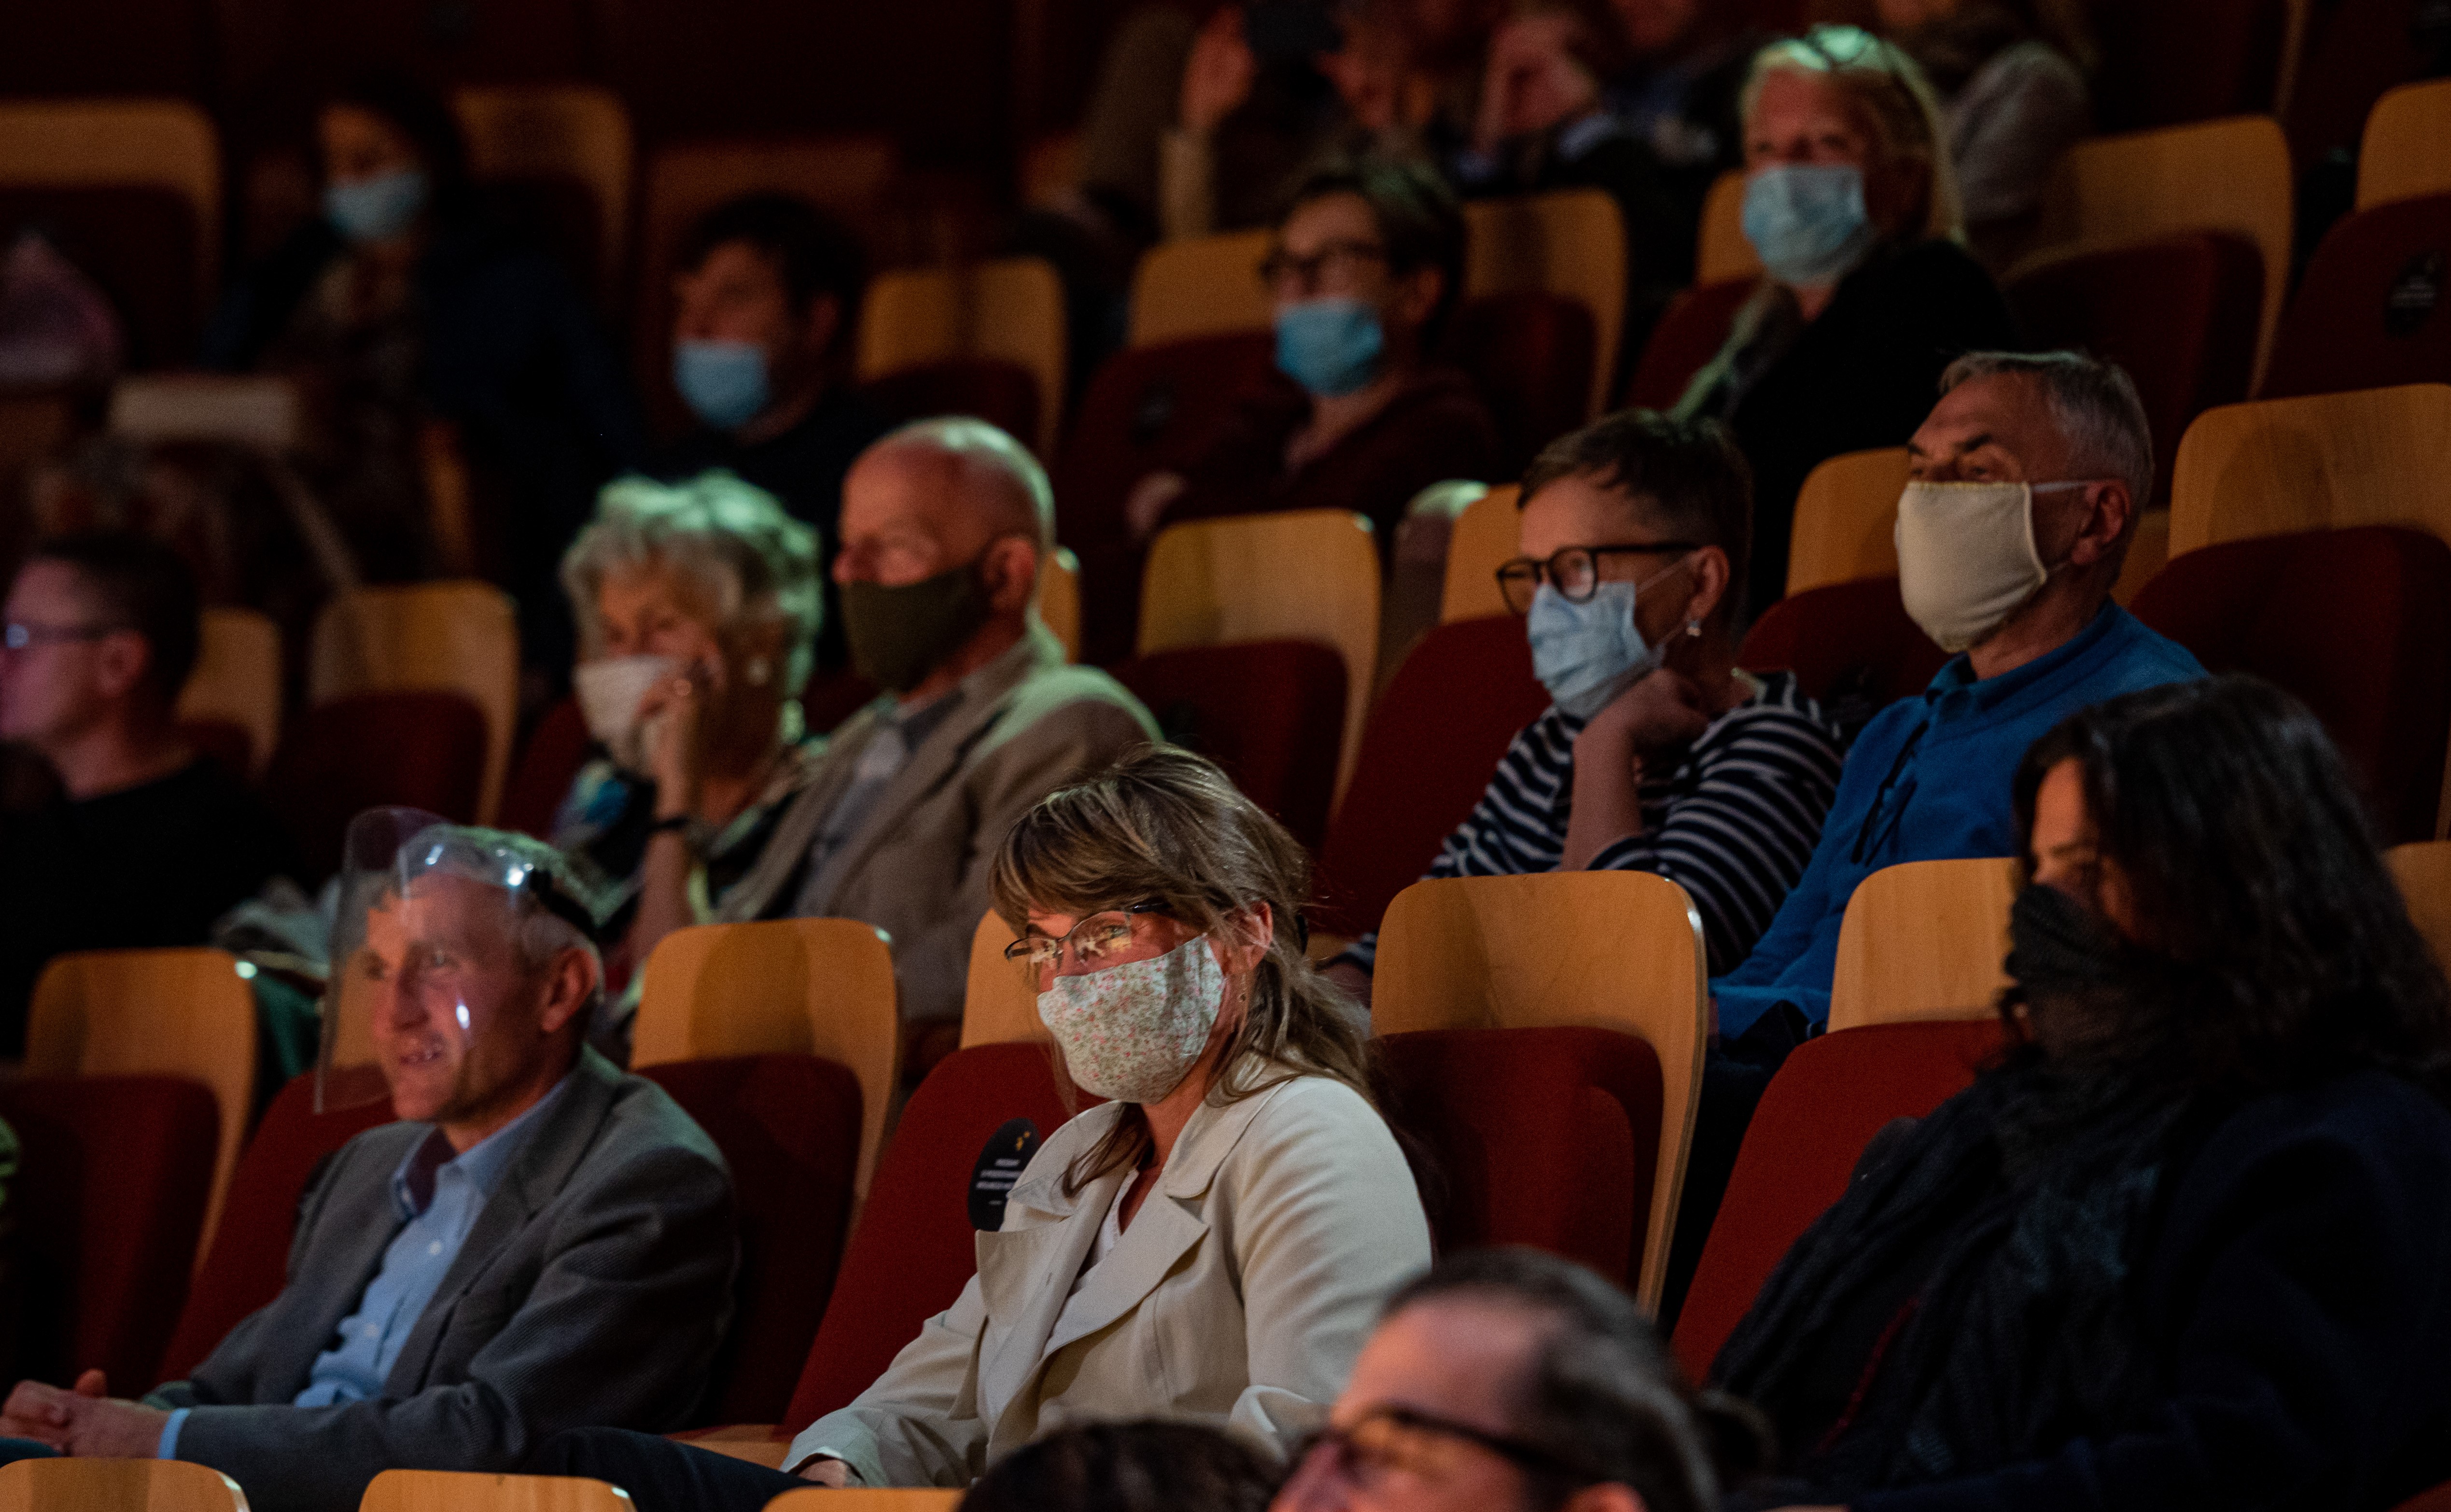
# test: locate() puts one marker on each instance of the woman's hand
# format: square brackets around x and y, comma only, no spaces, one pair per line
[676,709]
[1532,81]
[1218,77]
[1660,712]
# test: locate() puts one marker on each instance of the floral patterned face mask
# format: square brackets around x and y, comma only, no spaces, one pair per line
[1132,1031]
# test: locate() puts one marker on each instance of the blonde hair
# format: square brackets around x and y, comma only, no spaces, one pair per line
[1165,827]
[1894,99]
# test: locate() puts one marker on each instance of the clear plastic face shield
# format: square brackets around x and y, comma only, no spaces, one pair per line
[451,949]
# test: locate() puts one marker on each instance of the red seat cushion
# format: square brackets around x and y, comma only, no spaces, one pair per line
[2375,665]
[788,1127]
[248,1260]
[556,749]
[1824,1106]
[913,1250]
[1690,333]
[113,1177]
[1271,712]
[1000,392]
[1433,741]
[2374,308]
[2174,61]
[1547,1137]
[1850,645]
[339,757]
[1529,354]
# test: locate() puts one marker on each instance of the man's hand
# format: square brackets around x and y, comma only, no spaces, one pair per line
[83,1421]
[1532,81]
[1218,77]
[1661,711]
[827,1472]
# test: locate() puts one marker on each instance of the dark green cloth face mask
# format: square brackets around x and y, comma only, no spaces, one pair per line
[899,635]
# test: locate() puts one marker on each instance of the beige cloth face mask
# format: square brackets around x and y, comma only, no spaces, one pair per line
[1965,557]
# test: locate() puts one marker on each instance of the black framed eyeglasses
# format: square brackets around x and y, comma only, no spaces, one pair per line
[1281,264]
[1394,1437]
[20,633]
[1091,940]
[1574,572]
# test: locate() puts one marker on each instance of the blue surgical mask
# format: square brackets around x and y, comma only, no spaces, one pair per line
[1331,346]
[1808,221]
[375,209]
[1587,653]
[724,382]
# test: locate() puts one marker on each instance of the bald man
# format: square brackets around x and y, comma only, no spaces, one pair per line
[945,525]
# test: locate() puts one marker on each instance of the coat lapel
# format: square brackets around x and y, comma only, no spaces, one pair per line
[361,1224]
[762,893]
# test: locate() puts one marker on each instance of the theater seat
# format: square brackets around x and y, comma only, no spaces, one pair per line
[1851,646]
[1427,752]
[1271,712]
[117,1485]
[249,1258]
[464,1491]
[1529,354]
[1547,1137]
[547,764]
[1833,1095]
[788,1127]
[1003,393]
[1690,333]
[2374,663]
[2370,312]
[114,1172]
[341,756]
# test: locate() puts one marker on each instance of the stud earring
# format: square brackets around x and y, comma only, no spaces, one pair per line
[758,672]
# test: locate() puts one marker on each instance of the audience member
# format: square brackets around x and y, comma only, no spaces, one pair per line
[1514,1381]
[540,1242]
[2011,76]
[1679,87]
[946,523]
[697,613]
[2029,476]
[766,307]
[1658,754]
[146,843]
[405,305]
[1852,202]
[2185,1244]
[1239,1162]
[1136,1466]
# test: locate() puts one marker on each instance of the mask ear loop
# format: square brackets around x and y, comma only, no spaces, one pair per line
[2052,570]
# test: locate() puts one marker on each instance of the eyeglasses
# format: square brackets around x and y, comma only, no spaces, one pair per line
[21,634]
[1281,265]
[1574,572]
[1093,941]
[1391,1438]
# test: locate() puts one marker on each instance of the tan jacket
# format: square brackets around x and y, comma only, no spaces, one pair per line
[1022,725]
[1238,1297]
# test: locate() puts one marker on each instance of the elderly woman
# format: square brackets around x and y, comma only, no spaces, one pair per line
[1868,294]
[1210,1245]
[1658,754]
[697,606]
[2185,1245]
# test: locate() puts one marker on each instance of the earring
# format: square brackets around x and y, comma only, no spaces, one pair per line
[757,672]
[1693,629]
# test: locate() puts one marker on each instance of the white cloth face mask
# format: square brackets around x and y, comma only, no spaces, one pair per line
[609,693]
[1967,559]
[1131,1033]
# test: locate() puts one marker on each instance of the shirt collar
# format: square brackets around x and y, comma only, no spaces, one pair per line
[481,1165]
[1980,694]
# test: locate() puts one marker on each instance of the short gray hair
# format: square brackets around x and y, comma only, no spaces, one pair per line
[2093,402]
[750,562]
[979,444]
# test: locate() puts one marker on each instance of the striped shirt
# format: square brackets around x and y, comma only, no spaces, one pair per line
[1733,823]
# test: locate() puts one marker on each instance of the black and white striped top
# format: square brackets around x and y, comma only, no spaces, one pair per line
[1734,824]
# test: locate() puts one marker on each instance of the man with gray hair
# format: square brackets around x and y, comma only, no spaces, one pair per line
[946,524]
[2027,481]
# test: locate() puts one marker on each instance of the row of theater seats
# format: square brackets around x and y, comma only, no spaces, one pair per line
[174,1486]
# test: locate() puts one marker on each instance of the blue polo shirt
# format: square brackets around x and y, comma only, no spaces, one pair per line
[1929,781]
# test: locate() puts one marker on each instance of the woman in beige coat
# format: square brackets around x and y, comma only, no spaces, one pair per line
[1211,1243]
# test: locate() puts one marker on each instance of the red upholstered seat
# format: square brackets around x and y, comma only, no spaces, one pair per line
[913,1250]
[1004,393]
[250,1257]
[2375,665]
[1271,712]
[1820,1111]
[1547,1137]
[556,749]
[1690,333]
[113,1175]
[339,757]
[2374,308]
[788,1127]
[1428,751]
[1530,354]
[2179,313]
[2169,62]
[1849,644]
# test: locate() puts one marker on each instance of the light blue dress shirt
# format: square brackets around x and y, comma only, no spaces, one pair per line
[438,1196]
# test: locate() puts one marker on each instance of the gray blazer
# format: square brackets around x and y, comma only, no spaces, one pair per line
[1238,1297]
[1024,725]
[592,1291]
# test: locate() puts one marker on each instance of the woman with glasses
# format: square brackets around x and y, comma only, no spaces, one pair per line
[1868,291]
[1658,754]
[1210,1244]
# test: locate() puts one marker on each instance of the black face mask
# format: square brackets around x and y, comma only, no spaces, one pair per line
[2057,946]
[900,635]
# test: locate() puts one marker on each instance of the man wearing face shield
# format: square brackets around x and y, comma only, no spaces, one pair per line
[2028,477]
[945,523]
[539,1242]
